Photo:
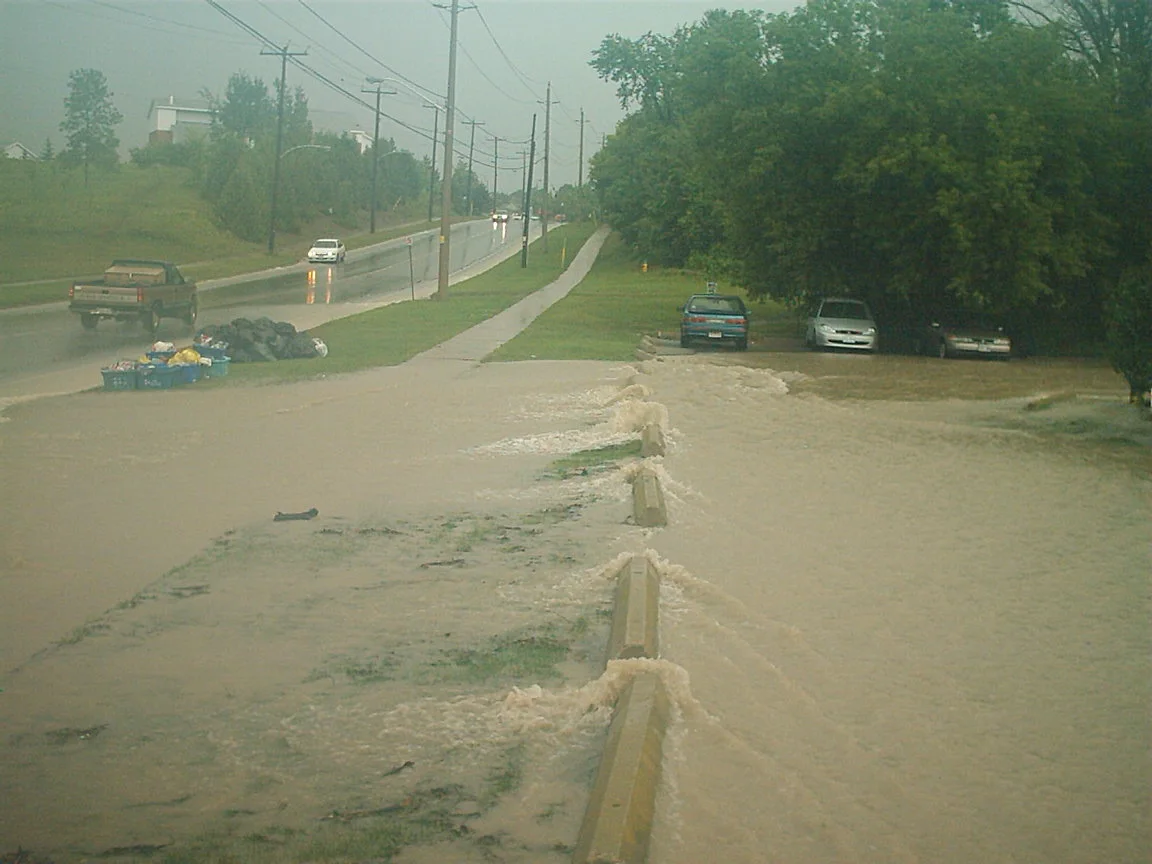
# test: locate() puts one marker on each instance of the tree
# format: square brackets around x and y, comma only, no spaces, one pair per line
[245,111]
[1129,329]
[90,121]
[48,153]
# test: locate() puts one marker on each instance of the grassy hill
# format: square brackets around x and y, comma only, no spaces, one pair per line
[54,229]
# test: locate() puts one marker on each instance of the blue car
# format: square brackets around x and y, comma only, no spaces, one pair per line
[716,319]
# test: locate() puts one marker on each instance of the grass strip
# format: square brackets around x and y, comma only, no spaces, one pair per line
[392,334]
[616,305]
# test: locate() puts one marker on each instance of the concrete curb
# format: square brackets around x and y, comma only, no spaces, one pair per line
[652,440]
[618,823]
[648,508]
[636,618]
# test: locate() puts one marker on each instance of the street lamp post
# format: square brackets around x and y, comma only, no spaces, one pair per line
[276,183]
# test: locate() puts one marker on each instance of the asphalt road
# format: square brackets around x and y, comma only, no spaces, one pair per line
[43,349]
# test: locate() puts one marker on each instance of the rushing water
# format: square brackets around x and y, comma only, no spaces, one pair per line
[893,630]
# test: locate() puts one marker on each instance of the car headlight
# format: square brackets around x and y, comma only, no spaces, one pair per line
[869,331]
[827,328]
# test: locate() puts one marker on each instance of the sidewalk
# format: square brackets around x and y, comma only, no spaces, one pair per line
[470,345]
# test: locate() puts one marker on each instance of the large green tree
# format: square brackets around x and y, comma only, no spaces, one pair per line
[918,153]
[90,120]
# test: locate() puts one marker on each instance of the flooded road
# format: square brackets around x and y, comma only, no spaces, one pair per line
[43,340]
[904,613]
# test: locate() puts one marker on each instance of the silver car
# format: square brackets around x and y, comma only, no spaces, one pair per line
[841,322]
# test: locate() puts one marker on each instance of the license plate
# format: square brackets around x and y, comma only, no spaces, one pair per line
[101,311]
[715,334]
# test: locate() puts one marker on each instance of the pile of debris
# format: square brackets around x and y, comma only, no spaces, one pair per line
[262,340]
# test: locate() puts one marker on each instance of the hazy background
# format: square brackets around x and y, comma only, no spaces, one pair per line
[508,52]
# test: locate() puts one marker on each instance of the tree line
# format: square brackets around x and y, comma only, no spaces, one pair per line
[919,154]
[232,165]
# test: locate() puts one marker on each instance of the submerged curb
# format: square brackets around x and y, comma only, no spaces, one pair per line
[648,507]
[635,620]
[618,823]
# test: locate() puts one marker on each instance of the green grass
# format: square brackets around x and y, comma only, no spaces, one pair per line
[54,229]
[605,316]
[392,334]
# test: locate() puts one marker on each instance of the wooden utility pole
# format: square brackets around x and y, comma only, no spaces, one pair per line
[446,180]
[432,173]
[471,147]
[580,164]
[283,54]
[495,163]
[528,197]
[547,129]
[375,148]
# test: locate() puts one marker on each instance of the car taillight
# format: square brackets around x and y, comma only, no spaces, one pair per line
[72,291]
[734,321]
[139,295]
[697,319]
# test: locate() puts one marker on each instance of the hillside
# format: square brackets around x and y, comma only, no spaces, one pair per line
[52,226]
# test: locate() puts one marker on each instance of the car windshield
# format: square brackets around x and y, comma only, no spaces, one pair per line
[732,305]
[853,309]
[325,244]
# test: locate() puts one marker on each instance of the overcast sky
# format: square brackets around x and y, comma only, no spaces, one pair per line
[508,52]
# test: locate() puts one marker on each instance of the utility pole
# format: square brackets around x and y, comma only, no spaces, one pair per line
[471,146]
[283,54]
[432,173]
[580,164]
[375,148]
[495,162]
[528,197]
[446,180]
[523,175]
[547,129]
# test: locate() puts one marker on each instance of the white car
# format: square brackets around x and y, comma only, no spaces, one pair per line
[841,322]
[327,251]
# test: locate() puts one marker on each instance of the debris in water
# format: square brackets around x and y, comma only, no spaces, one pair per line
[288,517]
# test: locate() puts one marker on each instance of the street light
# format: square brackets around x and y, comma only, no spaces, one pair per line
[275,185]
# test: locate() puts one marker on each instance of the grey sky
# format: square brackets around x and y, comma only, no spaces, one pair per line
[160,48]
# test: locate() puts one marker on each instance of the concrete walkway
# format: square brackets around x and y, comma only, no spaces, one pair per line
[475,344]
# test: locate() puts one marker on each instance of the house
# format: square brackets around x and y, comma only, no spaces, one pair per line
[363,139]
[16,150]
[174,122]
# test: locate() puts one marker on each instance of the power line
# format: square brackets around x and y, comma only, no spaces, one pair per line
[369,55]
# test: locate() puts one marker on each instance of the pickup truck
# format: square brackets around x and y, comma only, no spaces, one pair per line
[134,290]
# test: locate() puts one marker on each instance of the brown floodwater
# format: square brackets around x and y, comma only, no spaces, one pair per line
[904,612]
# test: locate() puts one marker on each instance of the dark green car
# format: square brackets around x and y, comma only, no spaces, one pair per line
[716,319]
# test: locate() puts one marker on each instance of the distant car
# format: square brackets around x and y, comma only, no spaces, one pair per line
[714,318]
[964,334]
[500,216]
[841,322]
[327,251]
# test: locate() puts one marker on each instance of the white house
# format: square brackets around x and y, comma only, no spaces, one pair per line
[174,122]
[16,150]
[363,139]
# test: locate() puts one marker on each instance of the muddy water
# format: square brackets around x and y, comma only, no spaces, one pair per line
[913,631]
[895,631]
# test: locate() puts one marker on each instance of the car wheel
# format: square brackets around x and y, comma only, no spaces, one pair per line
[88,320]
[151,319]
[683,339]
[190,315]
[742,344]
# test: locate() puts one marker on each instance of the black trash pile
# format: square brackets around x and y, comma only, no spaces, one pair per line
[263,340]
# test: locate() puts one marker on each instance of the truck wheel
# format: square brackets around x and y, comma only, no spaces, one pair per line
[151,319]
[88,320]
[190,315]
